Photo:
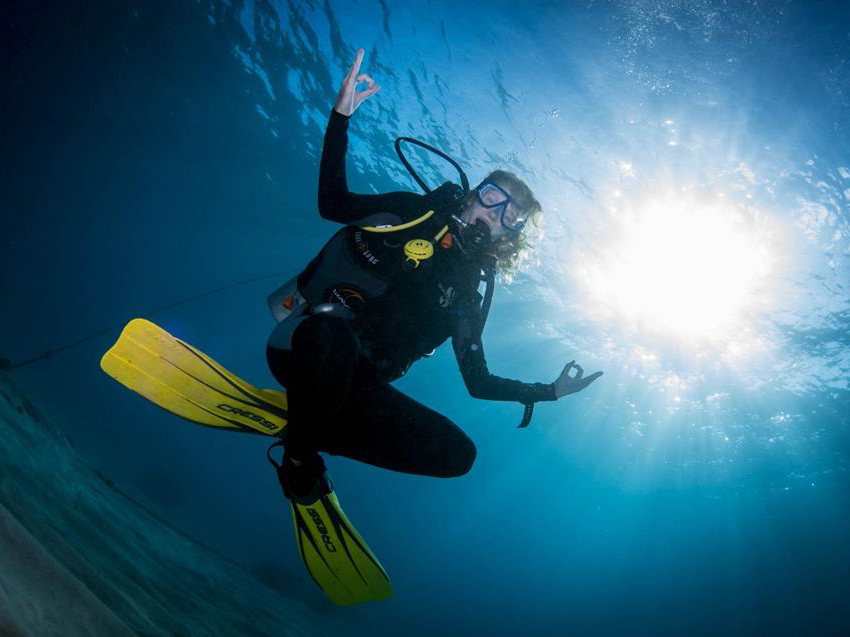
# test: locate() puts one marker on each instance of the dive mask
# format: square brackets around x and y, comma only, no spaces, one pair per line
[497,202]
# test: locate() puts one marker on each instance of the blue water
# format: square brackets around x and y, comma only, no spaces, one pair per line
[152,152]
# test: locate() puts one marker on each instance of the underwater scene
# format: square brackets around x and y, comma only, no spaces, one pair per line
[647,202]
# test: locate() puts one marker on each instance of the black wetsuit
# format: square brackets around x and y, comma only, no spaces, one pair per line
[338,372]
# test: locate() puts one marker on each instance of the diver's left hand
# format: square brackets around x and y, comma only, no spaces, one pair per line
[566,384]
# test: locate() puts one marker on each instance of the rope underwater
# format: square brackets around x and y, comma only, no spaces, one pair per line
[7,365]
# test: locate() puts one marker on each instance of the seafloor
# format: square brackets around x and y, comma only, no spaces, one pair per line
[79,557]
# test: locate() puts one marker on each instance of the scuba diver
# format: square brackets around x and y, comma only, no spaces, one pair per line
[391,286]
[394,283]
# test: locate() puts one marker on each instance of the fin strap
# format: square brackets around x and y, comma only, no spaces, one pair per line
[526,417]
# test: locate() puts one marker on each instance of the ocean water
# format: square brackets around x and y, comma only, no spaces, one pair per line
[693,162]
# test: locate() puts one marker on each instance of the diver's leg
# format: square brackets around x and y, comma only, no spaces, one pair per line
[382,426]
[336,406]
[317,373]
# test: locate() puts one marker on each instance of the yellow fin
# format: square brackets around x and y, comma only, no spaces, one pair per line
[335,554]
[188,383]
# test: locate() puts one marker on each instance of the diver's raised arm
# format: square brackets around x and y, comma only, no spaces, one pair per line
[336,202]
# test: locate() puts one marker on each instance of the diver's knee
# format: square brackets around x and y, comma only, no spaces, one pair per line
[323,333]
[464,458]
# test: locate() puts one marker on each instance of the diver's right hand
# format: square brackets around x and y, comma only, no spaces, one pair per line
[566,384]
[349,97]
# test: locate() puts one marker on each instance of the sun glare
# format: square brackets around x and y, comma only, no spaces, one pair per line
[681,267]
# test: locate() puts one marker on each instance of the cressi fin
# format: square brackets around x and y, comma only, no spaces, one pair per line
[334,553]
[188,383]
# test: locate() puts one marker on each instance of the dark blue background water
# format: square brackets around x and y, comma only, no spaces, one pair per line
[154,151]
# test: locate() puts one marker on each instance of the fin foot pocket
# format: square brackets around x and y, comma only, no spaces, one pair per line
[334,553]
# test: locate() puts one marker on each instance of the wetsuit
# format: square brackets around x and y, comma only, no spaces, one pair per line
[338,371]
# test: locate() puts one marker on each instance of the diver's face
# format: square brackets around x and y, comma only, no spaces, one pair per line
[492,216]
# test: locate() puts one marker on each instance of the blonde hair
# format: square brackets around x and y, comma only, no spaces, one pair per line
[514,248]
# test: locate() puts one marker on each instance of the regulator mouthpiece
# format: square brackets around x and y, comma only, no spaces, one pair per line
[476,237]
